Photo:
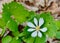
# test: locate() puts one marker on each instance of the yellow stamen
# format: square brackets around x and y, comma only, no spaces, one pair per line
[38,28]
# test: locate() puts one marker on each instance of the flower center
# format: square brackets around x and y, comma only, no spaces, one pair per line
[38,28]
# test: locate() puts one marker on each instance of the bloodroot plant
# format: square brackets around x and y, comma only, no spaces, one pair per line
[22,26]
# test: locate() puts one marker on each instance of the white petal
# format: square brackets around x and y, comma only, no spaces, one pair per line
[30,30]
[44,29]
[41,21]
[39,34]
[35,21]
[34,34]
[30,24]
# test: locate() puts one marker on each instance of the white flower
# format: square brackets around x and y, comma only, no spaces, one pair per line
[36,29]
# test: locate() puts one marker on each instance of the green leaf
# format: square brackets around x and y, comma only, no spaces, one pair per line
[58,24]
[16,33]
[58,35]
[2,23]
[6,39]
[6,16]
[5,8]
[30,39]
[14,40]
[4,29]
[49,23]
[52,29]
[12,25]
[3,26]
[40,40]
[9,39]
[21,34]
[17,10]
